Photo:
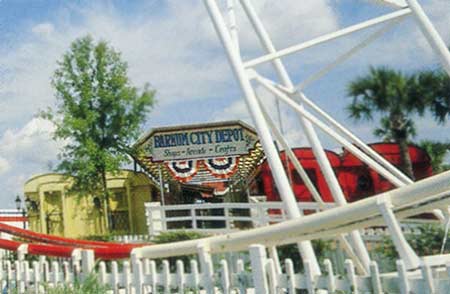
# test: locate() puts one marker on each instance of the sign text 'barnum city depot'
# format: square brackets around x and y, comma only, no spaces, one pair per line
[220,141]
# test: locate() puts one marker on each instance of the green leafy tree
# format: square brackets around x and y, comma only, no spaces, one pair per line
[98,113]
[396,97]
[437,152]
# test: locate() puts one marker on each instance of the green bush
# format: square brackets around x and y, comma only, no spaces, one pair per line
[321,248]
[427,242]
[177,236]
[89,286]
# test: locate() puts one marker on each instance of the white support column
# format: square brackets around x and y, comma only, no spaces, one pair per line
[405,251]
[324,127]
[233,23]
[431,34]
[327,37]
[266,139]
[310,133]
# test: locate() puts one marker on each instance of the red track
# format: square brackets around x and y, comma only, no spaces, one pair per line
[63,247]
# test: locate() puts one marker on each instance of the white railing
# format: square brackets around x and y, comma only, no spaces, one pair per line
[218,217]
[262,275]
[199,218]
[127,239]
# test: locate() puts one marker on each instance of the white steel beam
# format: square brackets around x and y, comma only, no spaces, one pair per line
[433,37]
[266,139]
[358,153]
[310,133]
[327,37]
[344,57]
[358,142]
[233,22]
[393,3]
[309,184]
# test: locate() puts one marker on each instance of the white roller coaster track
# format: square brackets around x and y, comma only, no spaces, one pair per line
[408,199]
[420,197]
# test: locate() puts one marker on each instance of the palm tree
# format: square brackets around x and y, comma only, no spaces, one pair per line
[437,152]
[435,85]
[397,98]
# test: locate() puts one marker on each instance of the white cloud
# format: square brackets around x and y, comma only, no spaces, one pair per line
[4,165]
[290,121]
[43,29]
[30,145]
[25,152]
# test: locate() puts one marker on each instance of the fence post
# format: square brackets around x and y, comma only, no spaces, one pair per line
[26,273]
[309,275]
[54,273]
[195,275]
[138,274]
[262,216]
[290,275]
[258,260]
[166,276]
[22,250]
[149,218]
[115,277]
[403,278]
[180,277]
[226,213]
[448,269]
[126,273]
[194,218]
[375,277]
[273,253]
[18,277]
[225,277]
[87,263]
[428,278]
[36,277]
[163,218]
[153,277]
[102,273]
[331,280]
[350,269]
[273,276]
[206,266]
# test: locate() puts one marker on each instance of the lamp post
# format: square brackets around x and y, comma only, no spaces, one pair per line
[22,209]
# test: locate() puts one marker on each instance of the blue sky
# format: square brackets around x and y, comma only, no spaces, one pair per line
[171,44]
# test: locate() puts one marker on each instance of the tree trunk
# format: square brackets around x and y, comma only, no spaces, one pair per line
[400,134]
[106,199]
[405,158]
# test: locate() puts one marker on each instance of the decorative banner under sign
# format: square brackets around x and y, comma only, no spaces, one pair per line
[222,167]
[183,171]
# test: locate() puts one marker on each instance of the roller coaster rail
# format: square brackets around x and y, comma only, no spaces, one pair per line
[344,222]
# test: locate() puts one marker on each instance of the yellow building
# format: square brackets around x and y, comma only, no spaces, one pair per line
[53,209]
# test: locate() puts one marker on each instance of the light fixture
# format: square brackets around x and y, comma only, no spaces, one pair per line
[18,202]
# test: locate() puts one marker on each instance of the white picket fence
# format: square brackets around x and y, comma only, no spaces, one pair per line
[262,275]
